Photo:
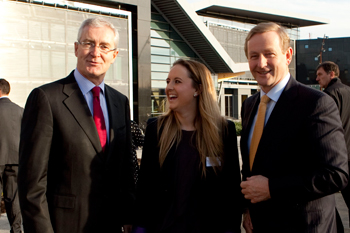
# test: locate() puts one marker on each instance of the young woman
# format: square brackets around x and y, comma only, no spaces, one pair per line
[189,179]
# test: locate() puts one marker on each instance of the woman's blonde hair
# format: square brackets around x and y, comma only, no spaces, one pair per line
[209,123]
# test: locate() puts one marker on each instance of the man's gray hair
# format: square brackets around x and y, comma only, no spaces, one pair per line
[99,22]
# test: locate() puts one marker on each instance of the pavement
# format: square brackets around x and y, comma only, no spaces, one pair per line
[4,224]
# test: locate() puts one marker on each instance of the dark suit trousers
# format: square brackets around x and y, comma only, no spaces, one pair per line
[346,195]
[8,184]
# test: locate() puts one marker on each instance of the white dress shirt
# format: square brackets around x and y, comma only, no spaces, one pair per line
[85,86]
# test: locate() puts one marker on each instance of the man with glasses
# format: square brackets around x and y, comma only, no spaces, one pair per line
[76,170]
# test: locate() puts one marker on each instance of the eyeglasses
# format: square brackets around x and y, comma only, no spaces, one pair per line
[103,48]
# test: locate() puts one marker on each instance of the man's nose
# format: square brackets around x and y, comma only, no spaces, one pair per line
[95,51]
[262,61]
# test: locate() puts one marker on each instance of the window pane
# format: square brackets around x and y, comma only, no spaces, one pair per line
[156,25]
[159,67]
[181,49]
[159,34]
[158,84]
[160,59]
[159,76]
[157,17]
[160,51]
[160,43]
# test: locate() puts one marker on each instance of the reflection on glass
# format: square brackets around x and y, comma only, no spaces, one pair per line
[38,47]
[158,103]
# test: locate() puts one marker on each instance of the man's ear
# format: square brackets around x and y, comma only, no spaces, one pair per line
[115,53]
[76,49]
[331,73]
[289,55]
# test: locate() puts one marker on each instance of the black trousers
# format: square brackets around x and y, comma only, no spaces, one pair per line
[8,184]
[346,195]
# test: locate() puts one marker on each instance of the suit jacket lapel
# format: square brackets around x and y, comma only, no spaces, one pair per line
[77,105]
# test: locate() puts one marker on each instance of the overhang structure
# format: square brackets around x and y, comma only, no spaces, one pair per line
[187,23]
[254,15]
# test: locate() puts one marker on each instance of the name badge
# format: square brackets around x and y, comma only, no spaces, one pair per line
[209,162]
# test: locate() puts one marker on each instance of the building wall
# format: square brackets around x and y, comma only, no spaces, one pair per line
[232,40]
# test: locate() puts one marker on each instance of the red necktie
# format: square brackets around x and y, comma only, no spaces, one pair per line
[98,117]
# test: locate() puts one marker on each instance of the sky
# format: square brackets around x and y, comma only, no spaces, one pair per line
[336,11]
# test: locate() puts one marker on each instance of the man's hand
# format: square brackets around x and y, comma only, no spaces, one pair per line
[247,222]
[256,189]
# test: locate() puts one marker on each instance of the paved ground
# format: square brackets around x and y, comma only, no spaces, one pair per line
[4,224]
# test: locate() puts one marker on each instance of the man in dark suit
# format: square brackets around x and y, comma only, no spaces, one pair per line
[327,76]
[75,169]
[10,128]
[300,160]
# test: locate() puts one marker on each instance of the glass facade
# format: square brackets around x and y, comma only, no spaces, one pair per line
[166,47]
[37,46]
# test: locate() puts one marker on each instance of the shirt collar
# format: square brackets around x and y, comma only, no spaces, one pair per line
[4,97]
[86,85]
[275,93]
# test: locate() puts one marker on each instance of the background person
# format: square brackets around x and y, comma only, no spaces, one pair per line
[76,170]
[328,78]
[138,139]
[10,128]
[291,172]
[190,175]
